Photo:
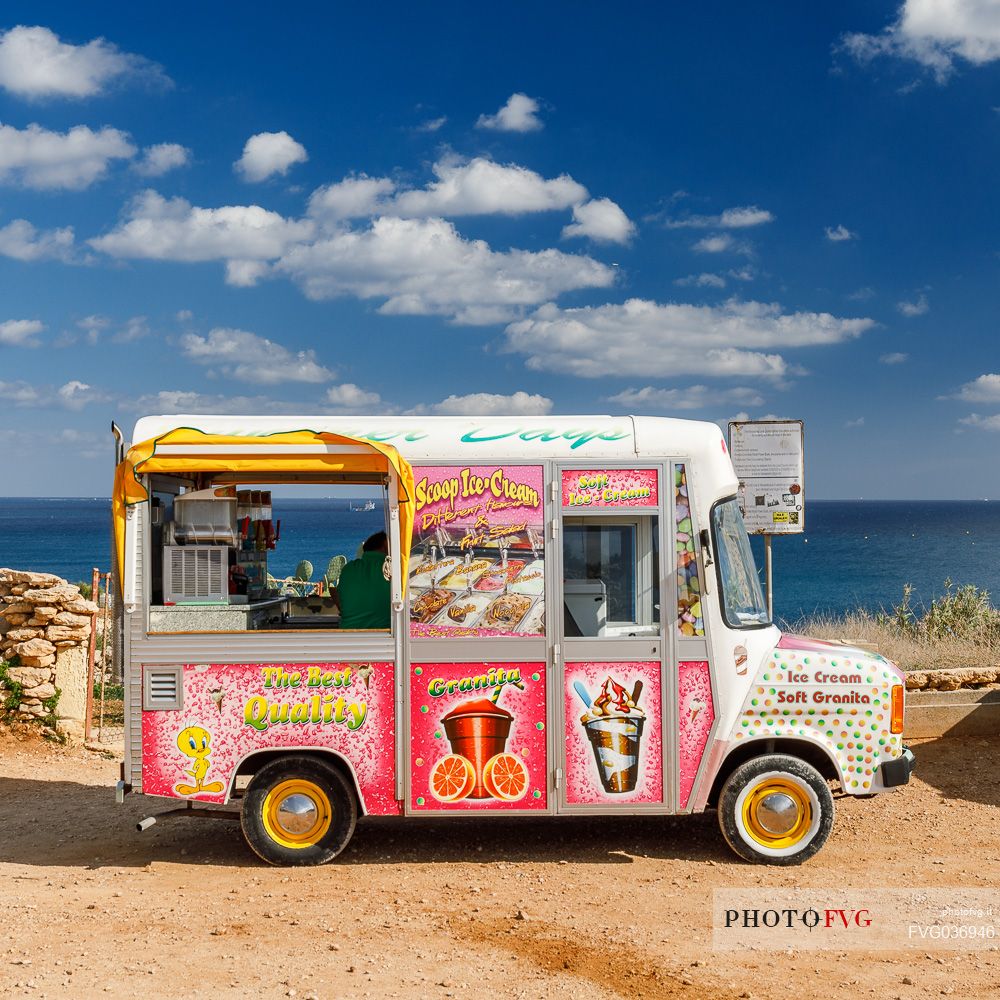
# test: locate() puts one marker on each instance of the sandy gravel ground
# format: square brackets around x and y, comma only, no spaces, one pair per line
[602,908]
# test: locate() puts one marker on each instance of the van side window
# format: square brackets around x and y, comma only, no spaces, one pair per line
[611,576]
[690,619]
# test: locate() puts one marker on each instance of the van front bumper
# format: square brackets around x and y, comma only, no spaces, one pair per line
[897,772]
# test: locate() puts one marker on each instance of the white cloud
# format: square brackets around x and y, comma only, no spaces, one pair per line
[858,422]
[917,308]
[134,329]
[424,267]
[419,266]
[269,153]
[93,327]
[893,358]
[21,394]
[432,124]
[703,280]
[96,327]
[935,33]
[519,114]
[22,241]
[21,333]
[188,401]
[692,397]
[646,338]
[462,187]
[482,187]
[839,234]
[602,220]
[250,358]
[862,294]
[488,404]
[985,389]
[351,397]
[34,157]
[246,273]
[73,395]
[172,229]
[719,243]
[352,198]
[741,217]
[34,63]
[162,158]
[982,423]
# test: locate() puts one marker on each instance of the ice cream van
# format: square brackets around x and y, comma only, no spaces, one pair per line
[573,625]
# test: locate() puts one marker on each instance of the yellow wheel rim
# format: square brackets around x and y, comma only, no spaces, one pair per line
[297,813]
[777,813]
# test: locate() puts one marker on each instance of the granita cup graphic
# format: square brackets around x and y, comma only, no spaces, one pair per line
[613,724]
[477,730]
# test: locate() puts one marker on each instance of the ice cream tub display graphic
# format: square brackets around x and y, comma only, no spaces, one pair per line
[229,711]
[609,488]
[477,736]
[614,749]
[478,564]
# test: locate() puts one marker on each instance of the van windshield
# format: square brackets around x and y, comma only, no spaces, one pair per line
[742,598]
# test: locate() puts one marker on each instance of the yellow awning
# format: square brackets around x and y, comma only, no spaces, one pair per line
[273,453]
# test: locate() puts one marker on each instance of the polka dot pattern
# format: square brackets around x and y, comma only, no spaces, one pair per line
[840,698]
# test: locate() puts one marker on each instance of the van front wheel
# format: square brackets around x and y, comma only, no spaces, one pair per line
[776,810]
[298,811]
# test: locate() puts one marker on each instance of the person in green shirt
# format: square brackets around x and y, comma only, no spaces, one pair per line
[363,592]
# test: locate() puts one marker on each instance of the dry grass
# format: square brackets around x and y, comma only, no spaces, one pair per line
[910,652]
[959,629]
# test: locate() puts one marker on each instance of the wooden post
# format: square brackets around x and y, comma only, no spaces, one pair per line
[95,587]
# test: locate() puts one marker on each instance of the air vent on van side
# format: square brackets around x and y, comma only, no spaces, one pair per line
[162,688]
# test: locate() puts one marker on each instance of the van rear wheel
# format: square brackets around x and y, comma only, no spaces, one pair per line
[298,811]
[776,810]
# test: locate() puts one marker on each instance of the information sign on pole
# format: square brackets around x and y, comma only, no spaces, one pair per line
[768,458]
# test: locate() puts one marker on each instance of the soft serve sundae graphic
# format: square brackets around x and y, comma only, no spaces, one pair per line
[613,723]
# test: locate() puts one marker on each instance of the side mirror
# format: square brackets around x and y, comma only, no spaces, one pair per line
[706,546]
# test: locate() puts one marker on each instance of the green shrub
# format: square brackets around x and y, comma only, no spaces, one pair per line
[12,689]
[963,612]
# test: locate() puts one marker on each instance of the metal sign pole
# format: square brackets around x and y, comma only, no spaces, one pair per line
[767,576]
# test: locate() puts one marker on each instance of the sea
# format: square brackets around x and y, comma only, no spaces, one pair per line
[853,554]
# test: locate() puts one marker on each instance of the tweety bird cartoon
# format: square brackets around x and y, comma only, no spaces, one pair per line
[196,743]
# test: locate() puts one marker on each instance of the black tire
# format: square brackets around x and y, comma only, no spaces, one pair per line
[298,811]
[754,824]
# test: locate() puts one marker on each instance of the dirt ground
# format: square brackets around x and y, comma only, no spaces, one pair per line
[602,907]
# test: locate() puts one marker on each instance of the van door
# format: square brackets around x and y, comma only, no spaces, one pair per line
[693,702]
[611,646]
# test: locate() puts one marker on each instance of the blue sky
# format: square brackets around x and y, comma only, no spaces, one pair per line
[697,212]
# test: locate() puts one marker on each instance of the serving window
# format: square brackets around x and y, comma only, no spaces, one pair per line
[230,555]
[611,570]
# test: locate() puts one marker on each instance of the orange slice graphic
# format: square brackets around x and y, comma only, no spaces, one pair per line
[452,778]
[505,777]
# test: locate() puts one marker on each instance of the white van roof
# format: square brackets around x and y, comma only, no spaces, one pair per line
[468,438]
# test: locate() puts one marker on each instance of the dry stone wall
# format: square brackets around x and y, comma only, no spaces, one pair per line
[45,626]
